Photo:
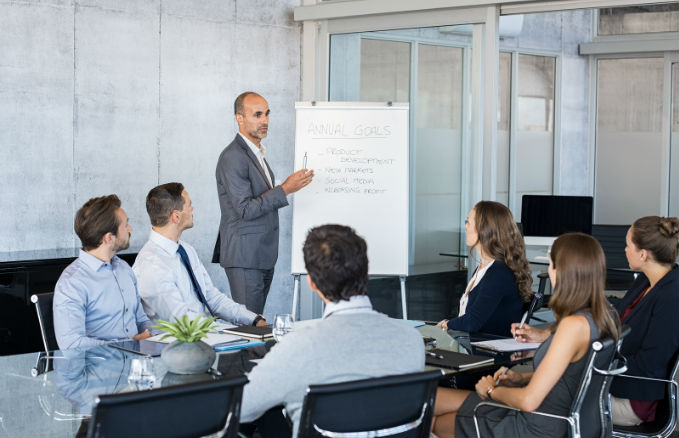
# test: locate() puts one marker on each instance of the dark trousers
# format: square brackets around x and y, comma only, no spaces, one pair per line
[250,286]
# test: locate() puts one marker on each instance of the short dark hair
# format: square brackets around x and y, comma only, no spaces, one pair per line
[162,200]
[238,103]
[96,218]
[336,259]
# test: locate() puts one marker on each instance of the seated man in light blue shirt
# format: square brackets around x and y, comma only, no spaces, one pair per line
[172,280]
[96,299]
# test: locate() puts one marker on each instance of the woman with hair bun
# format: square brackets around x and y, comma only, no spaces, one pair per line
[651,309]
[502,282]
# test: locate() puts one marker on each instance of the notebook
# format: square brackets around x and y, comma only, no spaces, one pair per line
[143,347]
[506,345]
[251,331]
[455,360]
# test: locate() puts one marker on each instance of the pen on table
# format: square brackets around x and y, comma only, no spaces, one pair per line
[523,321]
[497,381]
[432,354]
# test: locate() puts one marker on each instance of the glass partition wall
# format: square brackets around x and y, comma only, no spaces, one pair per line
[400,67]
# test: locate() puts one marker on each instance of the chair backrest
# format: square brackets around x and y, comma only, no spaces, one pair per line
[189,410]
[43,307]
[591,408]
[399,405]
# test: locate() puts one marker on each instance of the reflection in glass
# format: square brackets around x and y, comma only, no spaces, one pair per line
[503,127]
[438,155]
[639,19]
[534,127]
[385,71]
[629,123]
[674,144]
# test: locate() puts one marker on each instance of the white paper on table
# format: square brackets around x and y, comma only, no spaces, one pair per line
[211,339]
[506,345]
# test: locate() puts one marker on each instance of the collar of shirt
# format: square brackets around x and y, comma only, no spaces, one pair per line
[259,151]
[167,245]
[92,262]
[355,304]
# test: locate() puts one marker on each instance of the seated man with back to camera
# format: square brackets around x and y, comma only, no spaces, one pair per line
[351,342]
[172,280]
[95,298]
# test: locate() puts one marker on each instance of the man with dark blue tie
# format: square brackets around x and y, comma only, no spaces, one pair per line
[171,278]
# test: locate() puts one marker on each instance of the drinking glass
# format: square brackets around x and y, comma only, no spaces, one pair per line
[282,325]
[141,373]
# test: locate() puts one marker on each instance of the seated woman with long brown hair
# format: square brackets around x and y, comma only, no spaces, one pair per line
[577,270]
[502,282]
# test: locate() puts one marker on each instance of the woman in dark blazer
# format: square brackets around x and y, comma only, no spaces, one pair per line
[651,309]
[502,282]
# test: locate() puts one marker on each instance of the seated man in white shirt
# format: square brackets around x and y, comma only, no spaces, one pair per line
[351,342]
[171,279]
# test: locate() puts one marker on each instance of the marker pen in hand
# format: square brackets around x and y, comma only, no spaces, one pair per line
[305,159]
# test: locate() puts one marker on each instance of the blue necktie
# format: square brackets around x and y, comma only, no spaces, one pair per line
[196,286]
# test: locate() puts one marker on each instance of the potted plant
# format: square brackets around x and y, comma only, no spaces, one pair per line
[187,354]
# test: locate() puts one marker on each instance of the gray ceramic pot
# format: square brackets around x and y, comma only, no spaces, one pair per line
[188,357]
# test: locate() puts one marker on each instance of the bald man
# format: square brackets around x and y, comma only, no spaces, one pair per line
[249,200]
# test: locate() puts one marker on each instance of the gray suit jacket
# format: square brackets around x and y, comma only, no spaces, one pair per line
[248,231]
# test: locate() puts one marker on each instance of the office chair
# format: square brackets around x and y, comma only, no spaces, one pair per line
[666,413]
[189,410]
[589,415]
[43,307]
[399,405]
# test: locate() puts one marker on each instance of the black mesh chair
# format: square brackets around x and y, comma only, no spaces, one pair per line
[589,415]
[394,406]
[666,413]
[190,410]
[43,307]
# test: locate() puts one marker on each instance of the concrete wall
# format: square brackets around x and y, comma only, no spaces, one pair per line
[117,96]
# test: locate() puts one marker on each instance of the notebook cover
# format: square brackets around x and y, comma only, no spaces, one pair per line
[251,331]
[455,360]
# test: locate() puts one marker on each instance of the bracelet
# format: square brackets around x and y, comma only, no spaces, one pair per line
[490,389]
[257,319]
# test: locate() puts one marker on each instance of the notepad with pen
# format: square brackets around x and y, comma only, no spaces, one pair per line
[455,360]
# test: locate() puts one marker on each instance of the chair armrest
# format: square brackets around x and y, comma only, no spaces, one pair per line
[570,420]
[616,372]
[651,379]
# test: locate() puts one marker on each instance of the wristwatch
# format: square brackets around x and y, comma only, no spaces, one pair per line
[257,319]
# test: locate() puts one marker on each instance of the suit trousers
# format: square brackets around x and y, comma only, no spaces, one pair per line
[250,286]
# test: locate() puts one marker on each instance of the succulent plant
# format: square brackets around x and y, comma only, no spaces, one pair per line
[184,330]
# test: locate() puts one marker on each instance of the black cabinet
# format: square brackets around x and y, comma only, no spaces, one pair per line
[22,274]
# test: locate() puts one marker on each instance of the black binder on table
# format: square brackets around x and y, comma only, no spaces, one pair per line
[455,360]
[251,331]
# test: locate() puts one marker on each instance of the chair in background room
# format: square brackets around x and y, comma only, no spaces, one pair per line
[666,413]
[189,410]
[400,405]
[589,415]
[43,307]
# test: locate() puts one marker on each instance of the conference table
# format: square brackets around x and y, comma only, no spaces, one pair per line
[49,396]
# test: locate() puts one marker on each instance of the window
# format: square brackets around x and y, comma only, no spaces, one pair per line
[639,19]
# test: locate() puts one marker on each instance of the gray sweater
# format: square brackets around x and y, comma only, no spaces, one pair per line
[339,348]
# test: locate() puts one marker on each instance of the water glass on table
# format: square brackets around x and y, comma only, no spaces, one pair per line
[141,373]
[282,325]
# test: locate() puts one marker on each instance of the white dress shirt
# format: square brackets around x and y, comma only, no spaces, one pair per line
[259,153]
[166,288]
[478,275]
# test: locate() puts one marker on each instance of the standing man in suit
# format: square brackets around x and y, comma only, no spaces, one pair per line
[249,202]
